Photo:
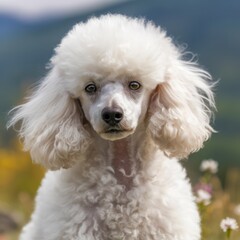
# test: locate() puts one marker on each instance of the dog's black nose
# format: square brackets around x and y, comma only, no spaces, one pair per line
[112,116]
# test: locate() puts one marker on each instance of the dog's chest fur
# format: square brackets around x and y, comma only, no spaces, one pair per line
[111,200]
[114,199]
[90,204]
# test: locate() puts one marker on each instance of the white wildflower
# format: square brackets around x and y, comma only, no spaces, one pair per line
[209,166]
[203,197]
[228,224]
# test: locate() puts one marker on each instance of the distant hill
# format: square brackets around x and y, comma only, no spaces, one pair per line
[9,25]
[209,28]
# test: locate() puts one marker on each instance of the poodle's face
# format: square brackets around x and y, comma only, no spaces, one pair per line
[114,107]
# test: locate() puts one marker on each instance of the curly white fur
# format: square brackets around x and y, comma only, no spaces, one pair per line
[122,181]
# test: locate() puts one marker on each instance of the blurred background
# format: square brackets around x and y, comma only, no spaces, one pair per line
[29,32]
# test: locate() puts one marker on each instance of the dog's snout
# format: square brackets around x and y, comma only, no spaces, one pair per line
[112,116]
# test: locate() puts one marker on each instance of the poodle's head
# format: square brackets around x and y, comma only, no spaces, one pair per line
[109,76]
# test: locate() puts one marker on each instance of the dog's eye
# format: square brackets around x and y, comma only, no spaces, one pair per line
[91,88]
[134,85]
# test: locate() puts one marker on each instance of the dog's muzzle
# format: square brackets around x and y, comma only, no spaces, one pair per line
[112,116]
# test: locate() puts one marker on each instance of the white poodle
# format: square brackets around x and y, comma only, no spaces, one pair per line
[117,108]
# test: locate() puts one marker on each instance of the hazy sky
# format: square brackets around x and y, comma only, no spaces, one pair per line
[39,8]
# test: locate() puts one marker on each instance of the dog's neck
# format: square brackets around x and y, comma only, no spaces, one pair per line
[121,158]
[125,158]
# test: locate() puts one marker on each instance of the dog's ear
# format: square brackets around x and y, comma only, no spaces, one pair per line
[51,125]
[180,110]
